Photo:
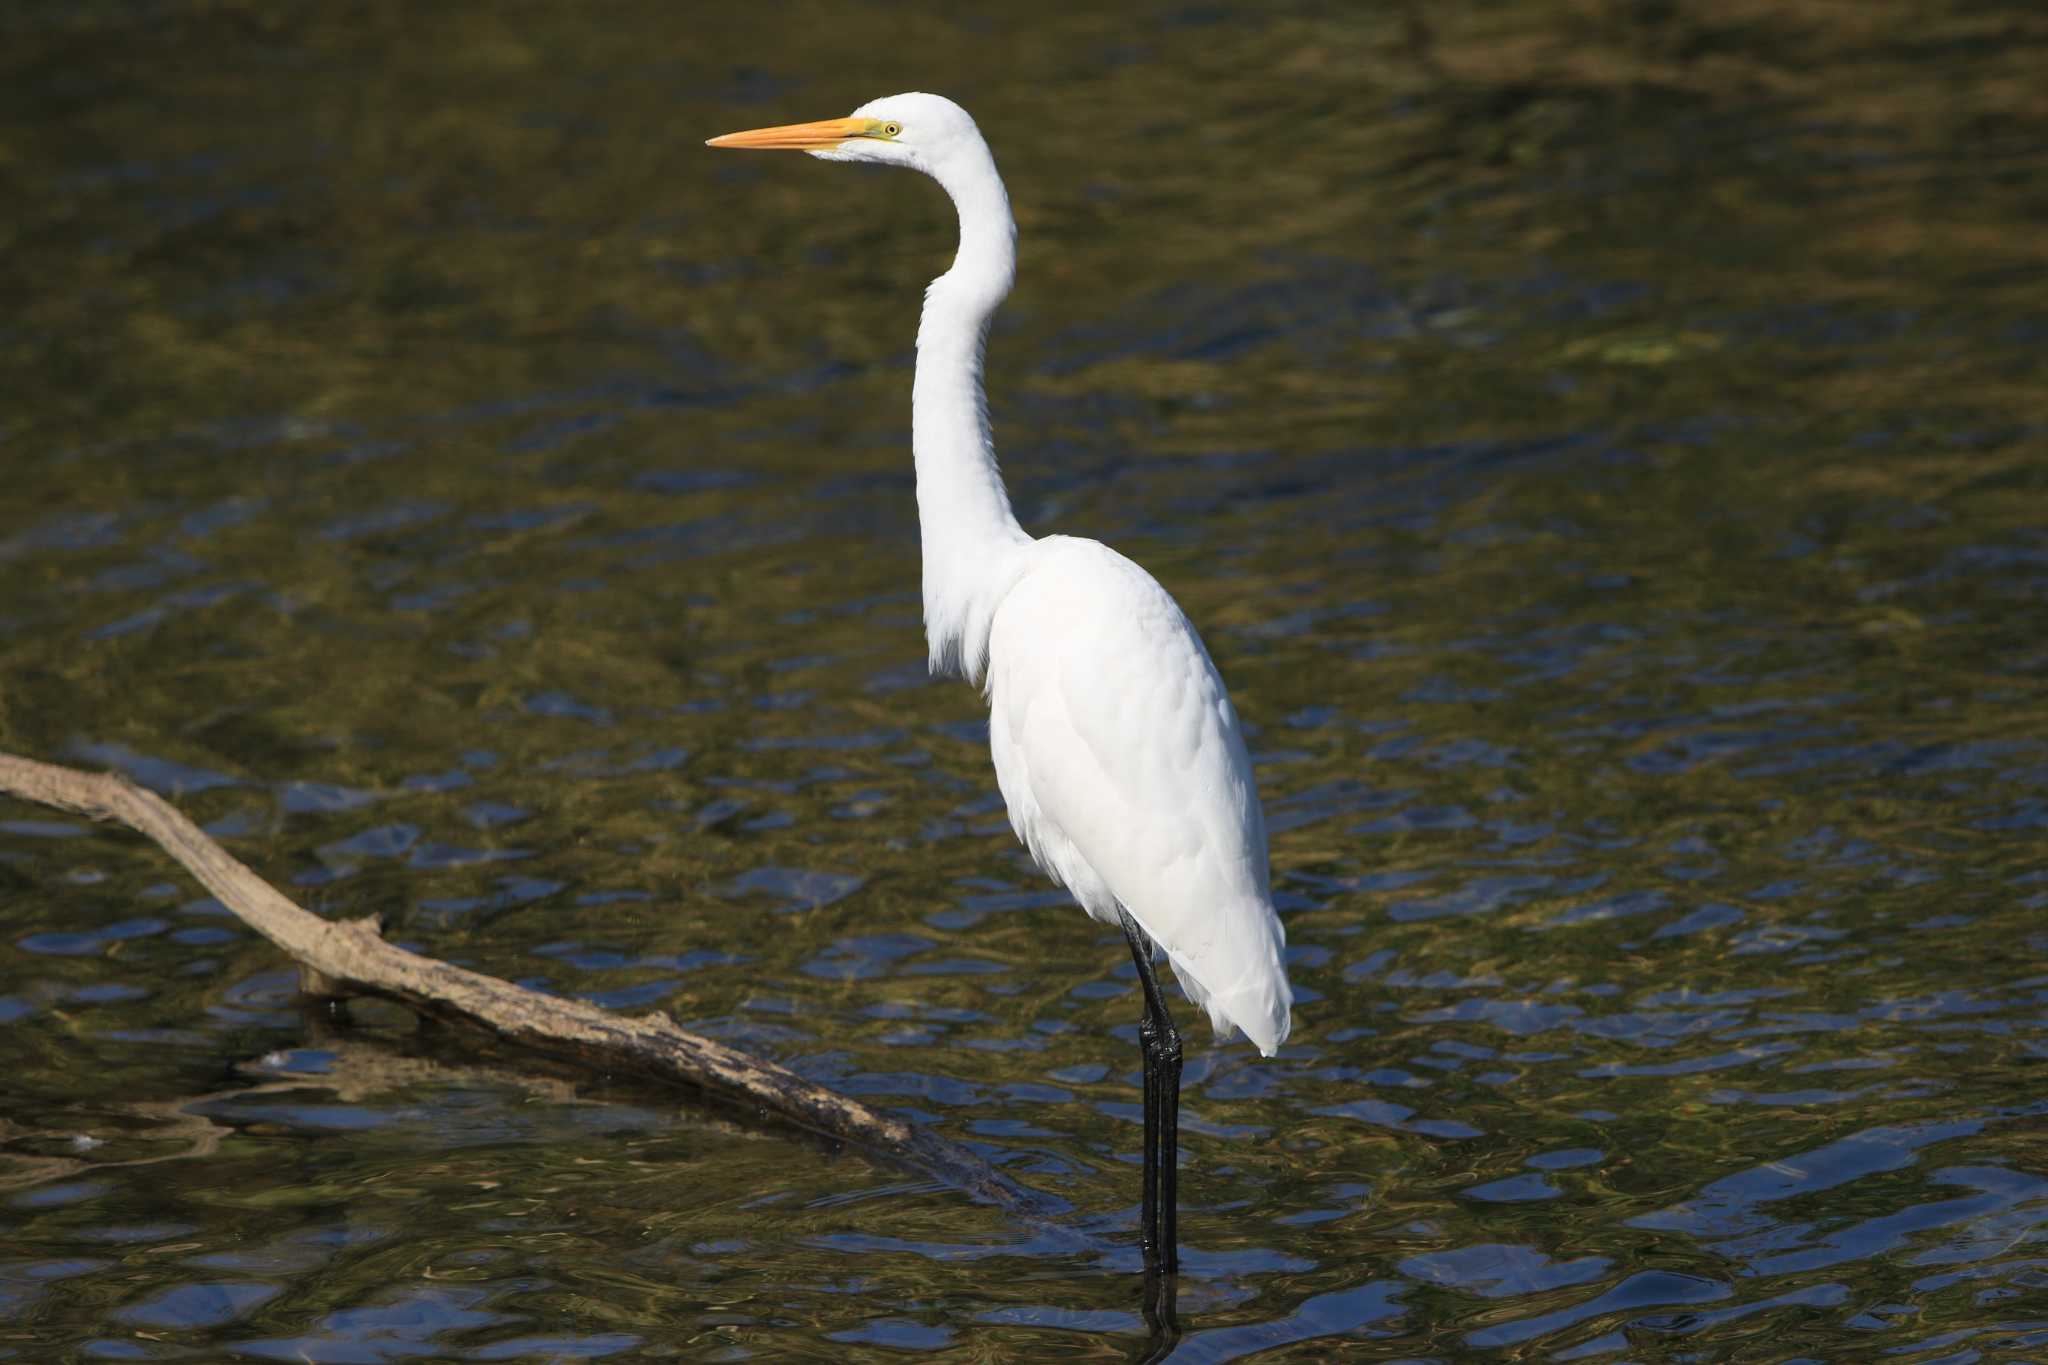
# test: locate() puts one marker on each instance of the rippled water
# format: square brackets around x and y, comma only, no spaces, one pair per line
[1602,445]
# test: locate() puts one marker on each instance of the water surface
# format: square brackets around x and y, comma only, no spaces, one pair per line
[1602,446]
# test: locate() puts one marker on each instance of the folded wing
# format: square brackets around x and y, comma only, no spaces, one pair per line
[1125,772]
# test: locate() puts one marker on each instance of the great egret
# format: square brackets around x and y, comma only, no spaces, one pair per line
[1115,745]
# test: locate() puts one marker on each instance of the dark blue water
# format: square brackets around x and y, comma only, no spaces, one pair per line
[1603,449]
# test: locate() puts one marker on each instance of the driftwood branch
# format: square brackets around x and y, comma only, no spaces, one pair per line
[354,1066]
[352,958]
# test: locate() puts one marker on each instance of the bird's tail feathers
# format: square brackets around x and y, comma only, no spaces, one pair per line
[1259,1001]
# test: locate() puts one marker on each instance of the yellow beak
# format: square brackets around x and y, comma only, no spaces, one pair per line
[798,137]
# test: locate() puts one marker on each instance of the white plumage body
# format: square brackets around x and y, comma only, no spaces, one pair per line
[1125,773]
[1114,741]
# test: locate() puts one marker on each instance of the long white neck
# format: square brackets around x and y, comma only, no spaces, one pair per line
[973,547]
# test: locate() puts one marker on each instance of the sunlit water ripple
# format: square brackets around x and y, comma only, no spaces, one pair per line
[1641,650]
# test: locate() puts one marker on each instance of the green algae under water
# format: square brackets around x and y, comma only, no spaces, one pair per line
[1603,445]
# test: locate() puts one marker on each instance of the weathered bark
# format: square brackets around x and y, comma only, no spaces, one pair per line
[352,958]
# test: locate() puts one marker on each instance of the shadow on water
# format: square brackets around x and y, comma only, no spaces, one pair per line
[1602,445]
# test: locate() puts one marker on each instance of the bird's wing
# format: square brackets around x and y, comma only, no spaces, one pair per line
[1125,746]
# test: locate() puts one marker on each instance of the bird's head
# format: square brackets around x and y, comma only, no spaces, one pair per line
[924,132]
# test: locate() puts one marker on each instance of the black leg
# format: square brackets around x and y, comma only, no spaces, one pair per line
[1148,1208]
[1162,1060]
[1148,1211]
[1169,1145]
[1162,1320]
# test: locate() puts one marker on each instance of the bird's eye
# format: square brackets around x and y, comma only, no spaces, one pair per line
[891,129]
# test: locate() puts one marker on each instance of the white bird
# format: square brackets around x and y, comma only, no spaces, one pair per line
[1115,745]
